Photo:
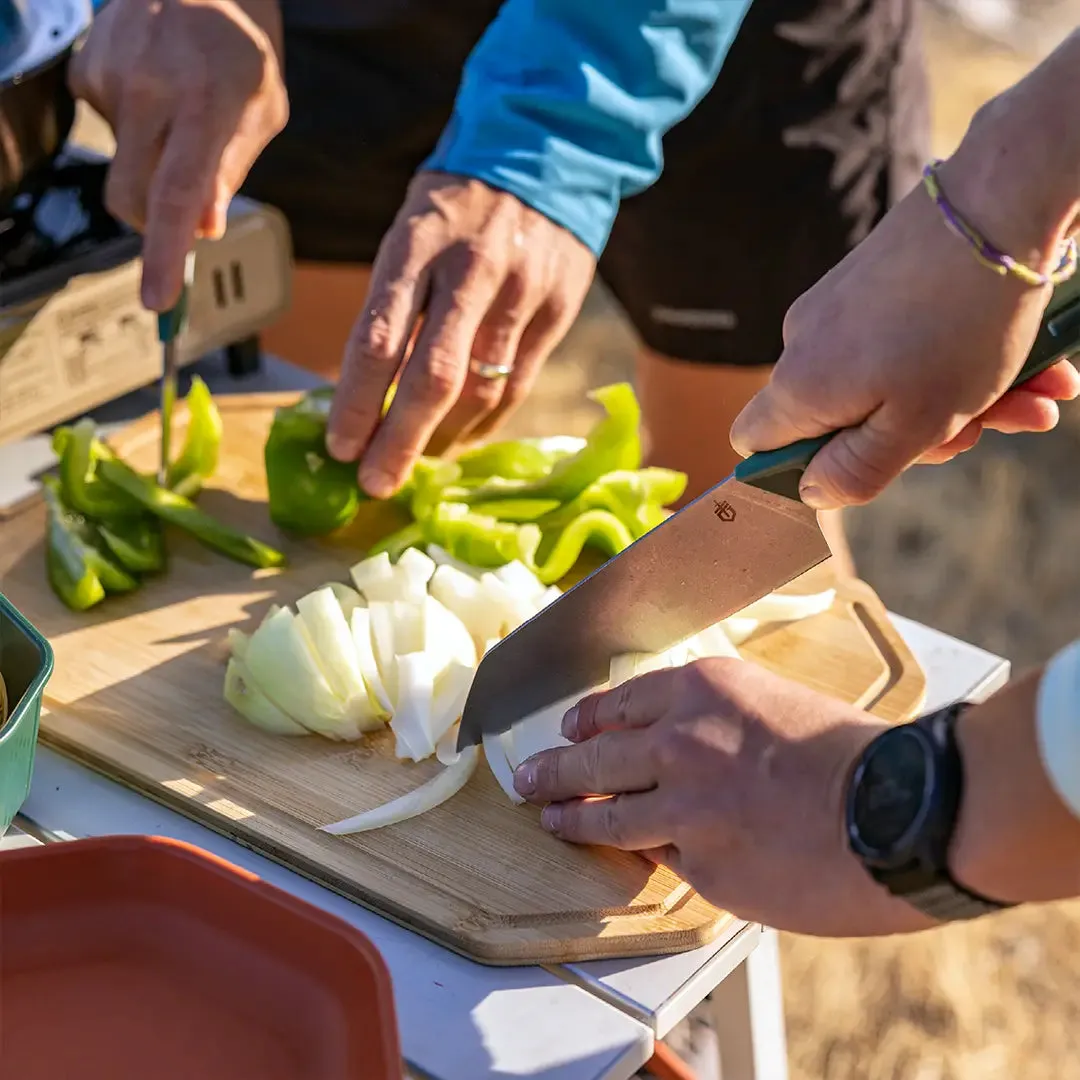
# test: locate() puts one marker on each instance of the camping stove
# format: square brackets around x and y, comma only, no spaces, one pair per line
[73,333]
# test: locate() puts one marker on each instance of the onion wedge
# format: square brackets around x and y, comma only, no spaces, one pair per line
[788,607]
[497,752]
[442,786]
[253,705]
[360,625]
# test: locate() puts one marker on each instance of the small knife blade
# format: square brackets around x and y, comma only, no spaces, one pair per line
[171,325]
[747,536]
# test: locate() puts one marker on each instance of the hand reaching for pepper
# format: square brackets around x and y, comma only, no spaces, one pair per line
[493,286]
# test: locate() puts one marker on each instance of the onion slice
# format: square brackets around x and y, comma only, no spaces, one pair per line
[497,750]
[788,607]
[442,786]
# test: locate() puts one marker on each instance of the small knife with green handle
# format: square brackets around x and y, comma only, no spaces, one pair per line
[749,535]
[171,325]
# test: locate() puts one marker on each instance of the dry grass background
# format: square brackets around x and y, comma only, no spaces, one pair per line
[985,548]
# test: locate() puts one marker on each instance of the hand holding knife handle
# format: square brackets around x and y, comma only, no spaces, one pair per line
[171,325]
[780,471]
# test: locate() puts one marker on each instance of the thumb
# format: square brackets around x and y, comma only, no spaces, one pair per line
[766,422]
[859,462]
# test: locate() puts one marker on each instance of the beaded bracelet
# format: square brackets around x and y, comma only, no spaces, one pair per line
[985,252]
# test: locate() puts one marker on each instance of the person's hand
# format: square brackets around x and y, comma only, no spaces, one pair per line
[910,345]
[496,284]
[734,778]
[193,92]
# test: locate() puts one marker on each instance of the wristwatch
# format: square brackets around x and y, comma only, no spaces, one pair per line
[903,801]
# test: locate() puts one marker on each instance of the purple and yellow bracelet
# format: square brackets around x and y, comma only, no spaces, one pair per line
[985,252]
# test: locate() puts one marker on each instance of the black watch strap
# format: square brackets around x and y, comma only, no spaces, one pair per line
[925,881]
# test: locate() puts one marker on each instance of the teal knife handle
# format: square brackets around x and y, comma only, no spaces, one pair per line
[171,323]
[780,471]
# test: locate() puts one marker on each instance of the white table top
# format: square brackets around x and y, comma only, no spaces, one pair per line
[460,1020]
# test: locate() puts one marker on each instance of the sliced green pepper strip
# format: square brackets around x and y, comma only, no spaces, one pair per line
[198,458]
[613,444]
[479,540]
[79,571]
[430,478]
[514,459]
[411,535]
[178,511]
[309,492]
[520,510]
[598,528]
[136,543]
[634,497]
[83,491]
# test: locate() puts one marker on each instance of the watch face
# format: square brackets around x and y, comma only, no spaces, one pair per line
[890,791]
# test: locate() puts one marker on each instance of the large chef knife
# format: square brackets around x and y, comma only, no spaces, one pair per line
[747,536]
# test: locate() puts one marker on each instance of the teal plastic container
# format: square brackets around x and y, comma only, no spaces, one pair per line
[26,662]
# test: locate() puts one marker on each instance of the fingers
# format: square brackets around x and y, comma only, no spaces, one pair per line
[858,463]
[432,380]
[635,704]
[140,139]
[1019,411]
[496,344]
[628,822]
[183,185]
[543,333]
[376,347]
[610,764]
[1060,382]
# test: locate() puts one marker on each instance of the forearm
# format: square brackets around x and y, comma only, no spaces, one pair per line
[1016,840]
[564,103]
[1016,174]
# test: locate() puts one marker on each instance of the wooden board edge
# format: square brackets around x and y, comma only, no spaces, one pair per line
[904,693]
[483,944]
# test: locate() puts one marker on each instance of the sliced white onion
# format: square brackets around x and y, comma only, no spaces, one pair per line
[540,731]
[373,573]
[283,666]
[446,636]
[382,641]
[497,753]
[442,557]
[237,641]
[442,786]
[548,596]
[787,607]
[452,687]
[244,695]
[360,625]
[411,722]
[519,579]
[738,628]
[333,646]
[349,599]
[416,567]
[713,641]
[446,748]
[408,627]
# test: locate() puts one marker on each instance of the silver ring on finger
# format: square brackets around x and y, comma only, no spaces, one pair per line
[490,371]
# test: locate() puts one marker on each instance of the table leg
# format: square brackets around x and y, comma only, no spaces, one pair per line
[748,1016]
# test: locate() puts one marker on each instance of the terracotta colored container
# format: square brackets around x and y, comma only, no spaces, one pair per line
[129,957]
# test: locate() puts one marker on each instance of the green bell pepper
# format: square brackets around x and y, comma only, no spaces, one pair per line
[310,493]
[78,449]
[635,497]
[597,528]
[182,513]
[478,540]
[613,444]
[198,458]
[136,543]
[80,572]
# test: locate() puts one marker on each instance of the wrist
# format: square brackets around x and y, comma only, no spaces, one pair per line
[1015,840]
[1016,174]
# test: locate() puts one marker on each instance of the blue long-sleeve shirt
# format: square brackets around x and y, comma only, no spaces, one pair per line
[564,103]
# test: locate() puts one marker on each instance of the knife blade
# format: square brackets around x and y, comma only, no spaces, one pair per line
[746,537]
[171,325]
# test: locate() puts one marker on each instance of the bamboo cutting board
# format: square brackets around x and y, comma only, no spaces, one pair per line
[136,694]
